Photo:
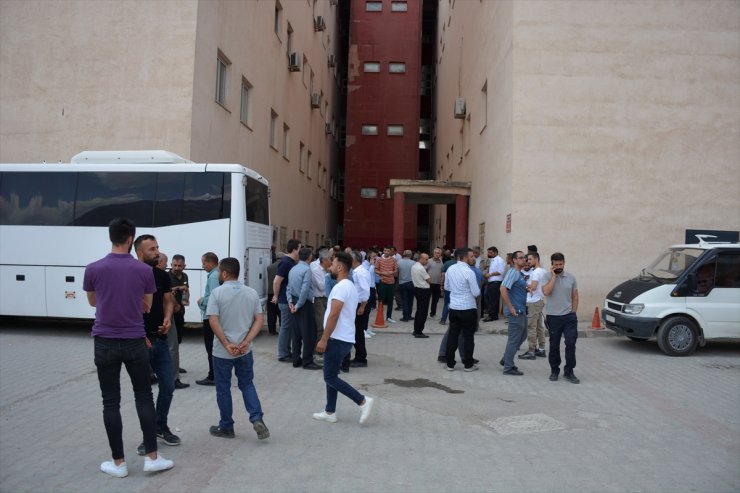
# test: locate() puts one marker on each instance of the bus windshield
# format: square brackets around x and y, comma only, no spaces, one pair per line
[671,264]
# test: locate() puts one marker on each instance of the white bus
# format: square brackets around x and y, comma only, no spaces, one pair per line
[54,218]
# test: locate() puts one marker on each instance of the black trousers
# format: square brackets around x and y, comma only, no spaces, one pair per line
[436,291]
[422,296]
[361,322]
[465,322]
[565,326]
[179,325]
[208,342]
[304,334]
[273,316]
[493,297]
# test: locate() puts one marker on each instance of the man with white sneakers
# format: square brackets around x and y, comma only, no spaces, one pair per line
[337,341]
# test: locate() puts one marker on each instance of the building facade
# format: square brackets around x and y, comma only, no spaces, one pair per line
[255,83]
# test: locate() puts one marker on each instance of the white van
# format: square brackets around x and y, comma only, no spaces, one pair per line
[688,295]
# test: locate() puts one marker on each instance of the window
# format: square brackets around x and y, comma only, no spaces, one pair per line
[207,197]
[399,7]
[289,44]
[395,130]
[222,72]
[244,115]
[369,130]
[257,202]
[37,199]
[286,142]
[308,165]
[484,96]
[368,192]
[102,196]
[372,66]
[278,21]
[373,6]
[397,67]
[273,129]
[302,157]
[728,271]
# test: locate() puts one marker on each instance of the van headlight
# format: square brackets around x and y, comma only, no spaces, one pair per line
[633,309]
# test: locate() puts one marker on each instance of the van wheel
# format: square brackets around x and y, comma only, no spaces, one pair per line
[636,339]
[678,336]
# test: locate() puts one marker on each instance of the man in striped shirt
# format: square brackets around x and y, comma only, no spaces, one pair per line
[461,282]
[387,268]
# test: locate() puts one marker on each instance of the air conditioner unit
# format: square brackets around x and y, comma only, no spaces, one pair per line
[315,100]
[459,108]
[328,128]
[332,61]
[318,23]
[294,63]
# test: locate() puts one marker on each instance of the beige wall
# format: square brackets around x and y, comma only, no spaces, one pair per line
[625,118]
[81,75]
[129,74]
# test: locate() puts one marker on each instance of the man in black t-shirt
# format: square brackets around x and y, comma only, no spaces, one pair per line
[181,293]
[157,323]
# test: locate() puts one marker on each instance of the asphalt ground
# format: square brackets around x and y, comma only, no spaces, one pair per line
[639,421]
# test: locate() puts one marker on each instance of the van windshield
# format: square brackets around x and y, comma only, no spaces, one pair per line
[671,264]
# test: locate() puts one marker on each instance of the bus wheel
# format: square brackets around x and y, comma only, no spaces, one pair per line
[678,336]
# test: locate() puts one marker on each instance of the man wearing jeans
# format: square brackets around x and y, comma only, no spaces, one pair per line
[514,294]
[462,284]
[235,315]
[209,261]
[337,341]
[561,290]
[120,288]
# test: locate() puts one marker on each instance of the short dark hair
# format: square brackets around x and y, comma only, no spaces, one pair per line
[292,245]
[304,253]
[230,266]
[532,248]
[121,229]
[535,255]
[177,257]
[211,258]
[138,241]
[462,252]
[345,259]
[557,256]
[493,249]
[516,253]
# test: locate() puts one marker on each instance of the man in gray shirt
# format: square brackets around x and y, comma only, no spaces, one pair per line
[300,302]
[434,268]
[235,315]
[561,290]
[405,285]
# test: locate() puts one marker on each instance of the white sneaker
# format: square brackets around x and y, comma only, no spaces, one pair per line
[370,331]
[324,416]
[158,464]
[365,409]
[368,335]
[390,320]
[472,368]
[110,467]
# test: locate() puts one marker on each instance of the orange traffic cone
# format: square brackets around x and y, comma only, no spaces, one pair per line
[379,319]
[596,322]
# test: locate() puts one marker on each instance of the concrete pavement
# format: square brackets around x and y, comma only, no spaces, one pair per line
[639,421]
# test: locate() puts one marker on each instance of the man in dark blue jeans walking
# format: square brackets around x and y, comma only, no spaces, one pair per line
[561,290]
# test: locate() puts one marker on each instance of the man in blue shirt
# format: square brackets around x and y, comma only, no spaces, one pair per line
[209,261]
[299,294]
[514,296]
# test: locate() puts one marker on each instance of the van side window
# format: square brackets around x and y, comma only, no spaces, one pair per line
[705,277]
[728,271]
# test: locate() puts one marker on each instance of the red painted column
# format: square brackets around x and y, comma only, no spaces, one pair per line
[398,216]
[461,221]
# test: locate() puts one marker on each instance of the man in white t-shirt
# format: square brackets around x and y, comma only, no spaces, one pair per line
[535,305]
[338,339]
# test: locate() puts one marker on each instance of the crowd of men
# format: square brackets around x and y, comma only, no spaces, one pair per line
[319,308]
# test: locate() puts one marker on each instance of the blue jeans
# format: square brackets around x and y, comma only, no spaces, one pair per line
[565,326]
[160,359]
[407,299]
[110,355]
[517,335]
[244,370]
[445,307]
[287,323]
[336,351]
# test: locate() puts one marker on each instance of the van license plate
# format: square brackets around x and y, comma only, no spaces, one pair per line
[609,318]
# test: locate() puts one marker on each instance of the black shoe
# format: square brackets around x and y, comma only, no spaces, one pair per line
[513,371]
[153,379]
[168,437]
[344,369]
[541,353]
[182,370]
[180,385]
[285,359]
[272,332]
[475,361]
[406,320]
[421,336]
[441,359]
[501,362]
[488,319]
[358,364]
[312,366]
[217,431]
[553,377]
[206,381]
[571,378]
[261,429]
[140,450]
[527,355]
[297,364]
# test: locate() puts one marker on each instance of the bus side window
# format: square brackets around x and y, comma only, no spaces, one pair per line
[37,199]
[103,196]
